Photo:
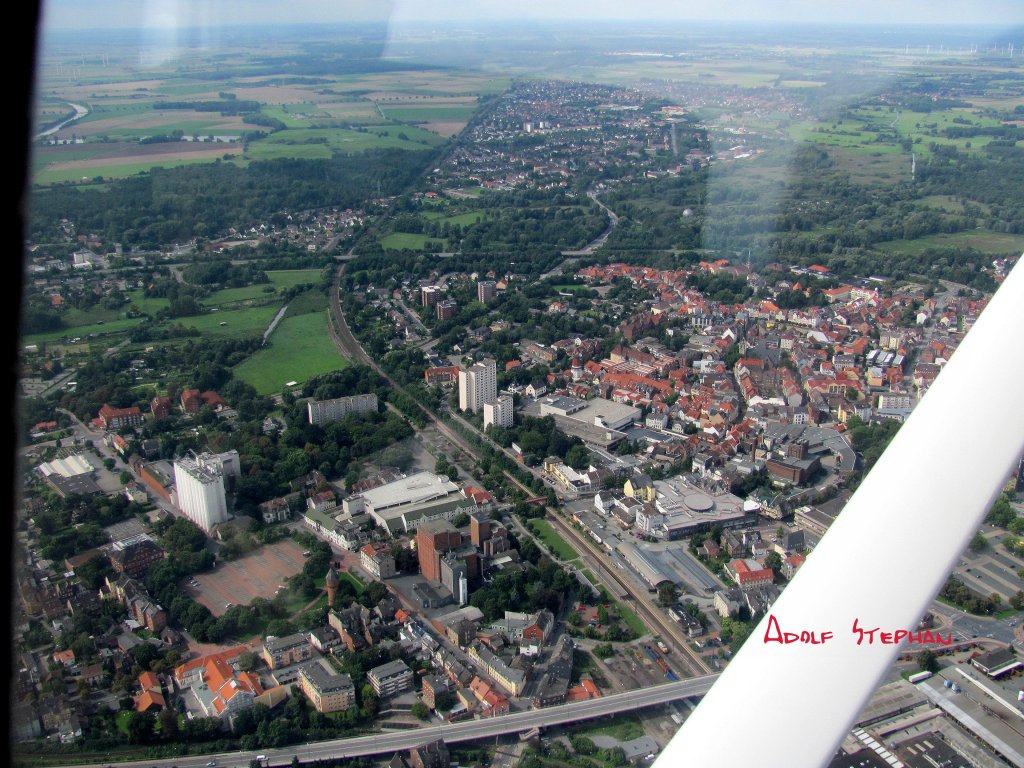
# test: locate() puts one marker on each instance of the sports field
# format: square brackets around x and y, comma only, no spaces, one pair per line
[298,349]
[239,322]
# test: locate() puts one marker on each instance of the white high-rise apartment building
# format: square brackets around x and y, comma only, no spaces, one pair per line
[324,411]
[499,412]
[478,385]
[200,489]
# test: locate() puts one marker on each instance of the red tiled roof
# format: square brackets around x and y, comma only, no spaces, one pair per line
[148,680]
[183,670]
[109,412]
[149,699]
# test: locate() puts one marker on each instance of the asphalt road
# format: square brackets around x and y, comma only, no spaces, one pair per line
[967,627]
[386,743]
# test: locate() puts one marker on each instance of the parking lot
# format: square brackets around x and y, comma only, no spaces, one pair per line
[991,570]
[237,582]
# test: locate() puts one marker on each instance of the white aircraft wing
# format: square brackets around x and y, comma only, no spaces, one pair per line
[880,564]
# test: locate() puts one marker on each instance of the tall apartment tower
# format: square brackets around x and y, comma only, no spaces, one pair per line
[429,295]
[200,489]
[485,290]
[499,412]
[478,385]
[446,309]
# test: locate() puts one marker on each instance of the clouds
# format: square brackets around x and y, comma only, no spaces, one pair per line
[992,12]
[179,14]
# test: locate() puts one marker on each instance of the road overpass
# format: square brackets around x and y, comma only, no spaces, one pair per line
[452,733]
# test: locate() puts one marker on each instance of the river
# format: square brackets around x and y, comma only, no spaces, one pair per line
[80,112]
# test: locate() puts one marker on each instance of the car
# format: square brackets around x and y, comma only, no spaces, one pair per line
[228,605]
[211,763]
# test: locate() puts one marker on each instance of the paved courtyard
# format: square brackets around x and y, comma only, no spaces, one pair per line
[258,574]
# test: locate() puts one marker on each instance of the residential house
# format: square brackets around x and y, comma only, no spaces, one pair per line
[377,560]
[391,678]
[284,651]
[327,690]
[119,418]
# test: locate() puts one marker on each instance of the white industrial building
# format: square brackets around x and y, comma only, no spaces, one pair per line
[597,411]
[597,421]
[199,484]
[404,504]
[499,413]
[324,411]
[228,462]
[478,386]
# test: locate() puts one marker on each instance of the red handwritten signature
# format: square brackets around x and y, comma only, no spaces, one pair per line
[774,634]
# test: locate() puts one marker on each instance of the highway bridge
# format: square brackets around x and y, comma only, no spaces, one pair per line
[452,733]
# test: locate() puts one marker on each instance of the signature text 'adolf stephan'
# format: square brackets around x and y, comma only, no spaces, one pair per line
[864,635]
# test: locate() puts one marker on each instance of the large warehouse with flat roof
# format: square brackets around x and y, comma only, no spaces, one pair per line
[403,504]
[597,421]
[643,565]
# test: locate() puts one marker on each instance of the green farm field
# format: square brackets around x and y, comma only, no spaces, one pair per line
[250,293]
[996,243]
[289,119]
[45,155]
[288,278]
[76,318]
[251,321]
[415,114]
[361,111]
[398,241]
[149,306]
[322,142]
[298,349]
[133,161]
[96,333]
[462,219]
[272,151]
[880,165]
[459,219]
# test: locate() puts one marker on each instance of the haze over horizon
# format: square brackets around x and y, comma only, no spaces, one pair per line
[65,15]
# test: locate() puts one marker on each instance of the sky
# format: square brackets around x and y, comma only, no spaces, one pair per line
[167,14]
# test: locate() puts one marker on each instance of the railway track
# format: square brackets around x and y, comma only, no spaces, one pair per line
[348,345]
[651,617]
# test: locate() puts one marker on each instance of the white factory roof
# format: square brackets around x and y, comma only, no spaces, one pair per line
[72,466]
[414,489]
